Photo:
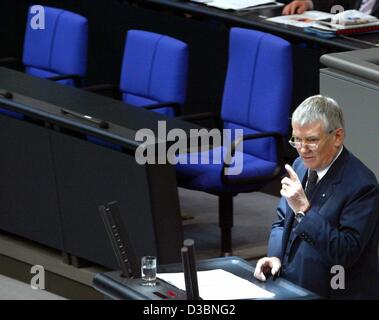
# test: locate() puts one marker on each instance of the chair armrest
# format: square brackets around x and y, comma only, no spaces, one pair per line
[176,106]
[204,116]
[105,87]
[75,77]
[199,116]
[243,181]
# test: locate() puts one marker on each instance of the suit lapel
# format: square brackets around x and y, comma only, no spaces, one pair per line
[325,188]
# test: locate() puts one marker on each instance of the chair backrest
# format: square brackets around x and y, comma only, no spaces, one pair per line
[58,49]
[258,88]
[154,70]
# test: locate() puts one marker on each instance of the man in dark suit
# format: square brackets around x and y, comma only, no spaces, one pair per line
[299,6]
[328,213]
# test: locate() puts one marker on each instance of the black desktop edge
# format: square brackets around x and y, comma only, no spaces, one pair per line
[126,284]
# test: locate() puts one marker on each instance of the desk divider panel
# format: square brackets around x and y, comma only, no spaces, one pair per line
[28,195]
[89,175]
[50,166]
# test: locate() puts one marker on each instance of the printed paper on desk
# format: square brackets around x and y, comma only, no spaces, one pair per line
[220,285]
[306,19]
[237,4]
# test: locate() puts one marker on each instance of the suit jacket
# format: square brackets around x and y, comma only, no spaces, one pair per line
[341,228]
[326,5]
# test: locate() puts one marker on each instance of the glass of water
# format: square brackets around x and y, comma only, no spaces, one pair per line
[149,270]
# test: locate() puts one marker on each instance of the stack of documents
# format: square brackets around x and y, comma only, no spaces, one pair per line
[329,26]
[321,23]
[220,285]
[352,17]
[234,4]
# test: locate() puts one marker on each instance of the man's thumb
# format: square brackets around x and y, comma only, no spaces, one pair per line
[274,270]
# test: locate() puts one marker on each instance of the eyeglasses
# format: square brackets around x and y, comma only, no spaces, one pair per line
[309,143]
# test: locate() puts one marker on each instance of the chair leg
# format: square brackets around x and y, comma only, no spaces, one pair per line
[225,210]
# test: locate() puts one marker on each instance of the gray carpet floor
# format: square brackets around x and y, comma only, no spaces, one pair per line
[254,214]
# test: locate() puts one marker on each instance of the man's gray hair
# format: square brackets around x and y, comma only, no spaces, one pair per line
[316,108]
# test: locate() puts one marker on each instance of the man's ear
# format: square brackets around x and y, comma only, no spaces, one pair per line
[339,137]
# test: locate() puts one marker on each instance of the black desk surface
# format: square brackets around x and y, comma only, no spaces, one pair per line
[128,119]
[255,19]
[50,150]
[284,290]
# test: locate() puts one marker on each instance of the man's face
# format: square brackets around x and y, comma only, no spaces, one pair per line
[327,144]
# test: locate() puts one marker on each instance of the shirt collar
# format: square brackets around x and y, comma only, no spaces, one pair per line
[322,173]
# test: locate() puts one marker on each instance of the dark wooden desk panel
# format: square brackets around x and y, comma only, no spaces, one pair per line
[89,175]
[85,102]
[28,194]
[255,19]
[76,176]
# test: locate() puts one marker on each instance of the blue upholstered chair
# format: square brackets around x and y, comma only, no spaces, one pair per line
[59,51]
[154,71]
[153,75]
[256,99]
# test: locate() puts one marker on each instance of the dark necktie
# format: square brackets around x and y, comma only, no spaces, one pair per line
[311,183]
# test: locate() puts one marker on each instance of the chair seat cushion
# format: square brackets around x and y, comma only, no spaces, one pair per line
[139,101]
[207,177]
[41,73]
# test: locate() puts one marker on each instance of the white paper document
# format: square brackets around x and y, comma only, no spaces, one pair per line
[219,285]
[234,4]
[306,19]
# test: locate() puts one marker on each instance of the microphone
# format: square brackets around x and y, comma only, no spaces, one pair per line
[189,268]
